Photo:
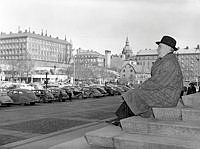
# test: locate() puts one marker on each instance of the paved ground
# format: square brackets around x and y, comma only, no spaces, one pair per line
[19,123]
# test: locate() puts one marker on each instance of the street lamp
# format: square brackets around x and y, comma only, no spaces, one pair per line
[46,81]
[73,57]
[197,71]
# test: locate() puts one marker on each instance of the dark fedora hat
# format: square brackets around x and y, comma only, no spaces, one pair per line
[168,41]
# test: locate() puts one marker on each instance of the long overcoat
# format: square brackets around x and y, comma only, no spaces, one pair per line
[162,89]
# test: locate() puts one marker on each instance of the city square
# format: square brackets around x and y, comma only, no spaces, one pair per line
[91,74]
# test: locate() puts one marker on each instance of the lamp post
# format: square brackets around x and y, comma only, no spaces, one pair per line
[197,71]
[46,81]
[74,72]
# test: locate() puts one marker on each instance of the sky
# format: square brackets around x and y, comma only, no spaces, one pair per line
[101,25]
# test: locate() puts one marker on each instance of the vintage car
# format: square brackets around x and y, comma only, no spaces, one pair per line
[56,93]
[100,89]
[23,96]
[44,95]
[5,99]
[125,88]
[89,92]
[76,93]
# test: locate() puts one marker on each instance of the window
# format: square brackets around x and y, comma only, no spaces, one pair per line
[124,70]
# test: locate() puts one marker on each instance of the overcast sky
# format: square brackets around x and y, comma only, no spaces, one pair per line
[104,24]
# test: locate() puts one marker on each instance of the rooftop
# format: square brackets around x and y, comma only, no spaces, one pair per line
[138,68]
[33,35]
[89,52]
[180,51]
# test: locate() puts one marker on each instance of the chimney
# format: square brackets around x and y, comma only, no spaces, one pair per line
[186,47]
[46,33]
[18,29]
[198,46]
[42,33]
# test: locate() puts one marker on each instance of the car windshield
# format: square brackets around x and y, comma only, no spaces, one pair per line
[28,91]
[3,93]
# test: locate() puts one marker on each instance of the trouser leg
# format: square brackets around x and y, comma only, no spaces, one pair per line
[124,111]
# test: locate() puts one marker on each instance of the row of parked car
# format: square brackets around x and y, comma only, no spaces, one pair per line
[10,96]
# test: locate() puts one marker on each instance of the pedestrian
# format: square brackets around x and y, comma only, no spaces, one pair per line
[191,89]
[162,89]
[60,97]
[69,92]
[183,93]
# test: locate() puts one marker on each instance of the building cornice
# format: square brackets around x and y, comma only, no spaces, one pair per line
[32,35]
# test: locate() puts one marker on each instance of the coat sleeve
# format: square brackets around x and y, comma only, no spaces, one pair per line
[162,78]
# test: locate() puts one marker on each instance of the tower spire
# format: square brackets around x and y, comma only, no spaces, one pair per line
[127,42]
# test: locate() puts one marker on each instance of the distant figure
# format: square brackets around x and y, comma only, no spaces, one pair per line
[60,96]
[184,91]
[191,89]
[162,89]
[69,92]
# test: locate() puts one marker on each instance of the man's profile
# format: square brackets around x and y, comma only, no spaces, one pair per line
[162,89]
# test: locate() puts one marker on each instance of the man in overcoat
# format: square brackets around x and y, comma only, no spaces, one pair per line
[162,89]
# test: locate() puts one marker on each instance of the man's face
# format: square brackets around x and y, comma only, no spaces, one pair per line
[160,50]
[163,49]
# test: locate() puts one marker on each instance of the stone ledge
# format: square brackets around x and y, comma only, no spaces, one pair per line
[192,100]
[177,113]
[168,113]
[140,125]
[139,141]
[103,137]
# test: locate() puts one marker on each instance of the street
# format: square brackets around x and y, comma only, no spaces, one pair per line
[19,123]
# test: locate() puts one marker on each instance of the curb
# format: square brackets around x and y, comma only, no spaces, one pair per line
[38,138]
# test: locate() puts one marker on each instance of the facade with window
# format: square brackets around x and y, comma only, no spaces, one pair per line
[42,50]
[89,58]
[134,73]
[189,60]
[146,58]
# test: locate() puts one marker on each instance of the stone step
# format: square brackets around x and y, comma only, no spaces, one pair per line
[191,114]
[168,113]
[103,138]
[112,137]
[192,100]
[177,113]
[140,141]
[140,125]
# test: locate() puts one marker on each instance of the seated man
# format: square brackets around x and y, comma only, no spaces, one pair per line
[162,89]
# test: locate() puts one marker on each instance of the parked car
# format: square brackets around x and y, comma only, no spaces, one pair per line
[110,90]
[101,90]
[125,88]
[76,92]
[23,96]
[44,95]
[117,90]
[5,99]
[89,92]
[57,92]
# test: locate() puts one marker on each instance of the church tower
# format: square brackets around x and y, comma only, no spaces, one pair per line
[127,51]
